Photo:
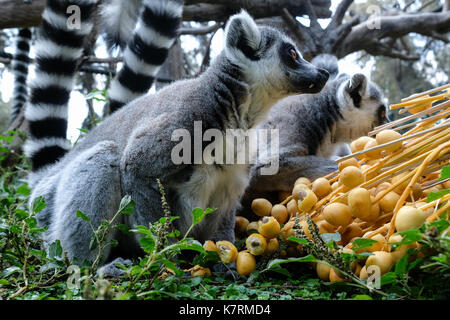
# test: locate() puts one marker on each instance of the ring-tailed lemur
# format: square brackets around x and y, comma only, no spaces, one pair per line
[312,126]
[130,149]
[20,64]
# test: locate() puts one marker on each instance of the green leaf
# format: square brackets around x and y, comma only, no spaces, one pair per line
[126,205]
[362,243]
[410,236]
[362,297]
[188,244]
[21,214]
[148,244]
[38,204]
[9,271]
[437,195]
[198,214]
[445,173]
[55,251]
[275,265]
[402,266]
[388,278]
[298,240]
[83,216]
[23,189]
[170,265]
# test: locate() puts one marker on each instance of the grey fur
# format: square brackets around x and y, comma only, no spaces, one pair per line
[129,150]
[312,128]
[328,62]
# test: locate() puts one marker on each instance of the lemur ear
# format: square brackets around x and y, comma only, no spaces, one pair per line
[242,35]
[357,84]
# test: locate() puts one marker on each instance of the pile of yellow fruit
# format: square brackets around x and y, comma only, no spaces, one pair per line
[378,191]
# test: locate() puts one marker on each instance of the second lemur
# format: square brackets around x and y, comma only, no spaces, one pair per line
[311,128]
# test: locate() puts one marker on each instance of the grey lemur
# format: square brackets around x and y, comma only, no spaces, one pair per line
[131,148]
[312,126]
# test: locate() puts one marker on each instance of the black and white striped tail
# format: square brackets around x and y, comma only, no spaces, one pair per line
[154,34]
[59,48]
[20,63]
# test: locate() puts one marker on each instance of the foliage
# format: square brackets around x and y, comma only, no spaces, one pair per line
[28,271]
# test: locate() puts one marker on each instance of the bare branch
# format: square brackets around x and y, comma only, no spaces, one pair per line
[426,4]
[364,36]
[300,32]
[409,4]
[201,31]
[340,13]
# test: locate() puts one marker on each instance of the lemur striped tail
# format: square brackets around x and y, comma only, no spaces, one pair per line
[154,34]
[59,48]
[20,64]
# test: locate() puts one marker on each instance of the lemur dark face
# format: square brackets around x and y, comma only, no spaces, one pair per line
[361,102]
[301,75]
[270,60]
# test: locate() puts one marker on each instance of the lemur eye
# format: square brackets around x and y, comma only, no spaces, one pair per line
[293,54]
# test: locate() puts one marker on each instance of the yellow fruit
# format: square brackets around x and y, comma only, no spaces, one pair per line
[210,246]
[227,251]
[374,154]
[403,185]
[382,186]
[382,259]
[374,212]
[304,225]
[280,213]
[298,189]
[321,187]
[292,207]
[360,203]
[379,246]
[388,202]
[363,273]
[261,207]
[358,144]
[386,136]
[256,244]
[334,276]
[323,271]
[272,246]
[245,263]
[325,227]
[302,180]
[408,218]
[334,186]
[254,225]
[428,212]
[306,200]
[351,231]
[338,214]
[199,271]
[351,177]
[347,163]
[399,252]
[269,227]
[241,225]
[287,231]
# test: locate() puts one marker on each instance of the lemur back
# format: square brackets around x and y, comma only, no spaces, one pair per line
[20,64]
[131,148]
[313,126]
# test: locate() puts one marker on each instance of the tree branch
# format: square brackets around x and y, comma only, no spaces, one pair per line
[201,31]
[339,15]
[363,37]
[18,14]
